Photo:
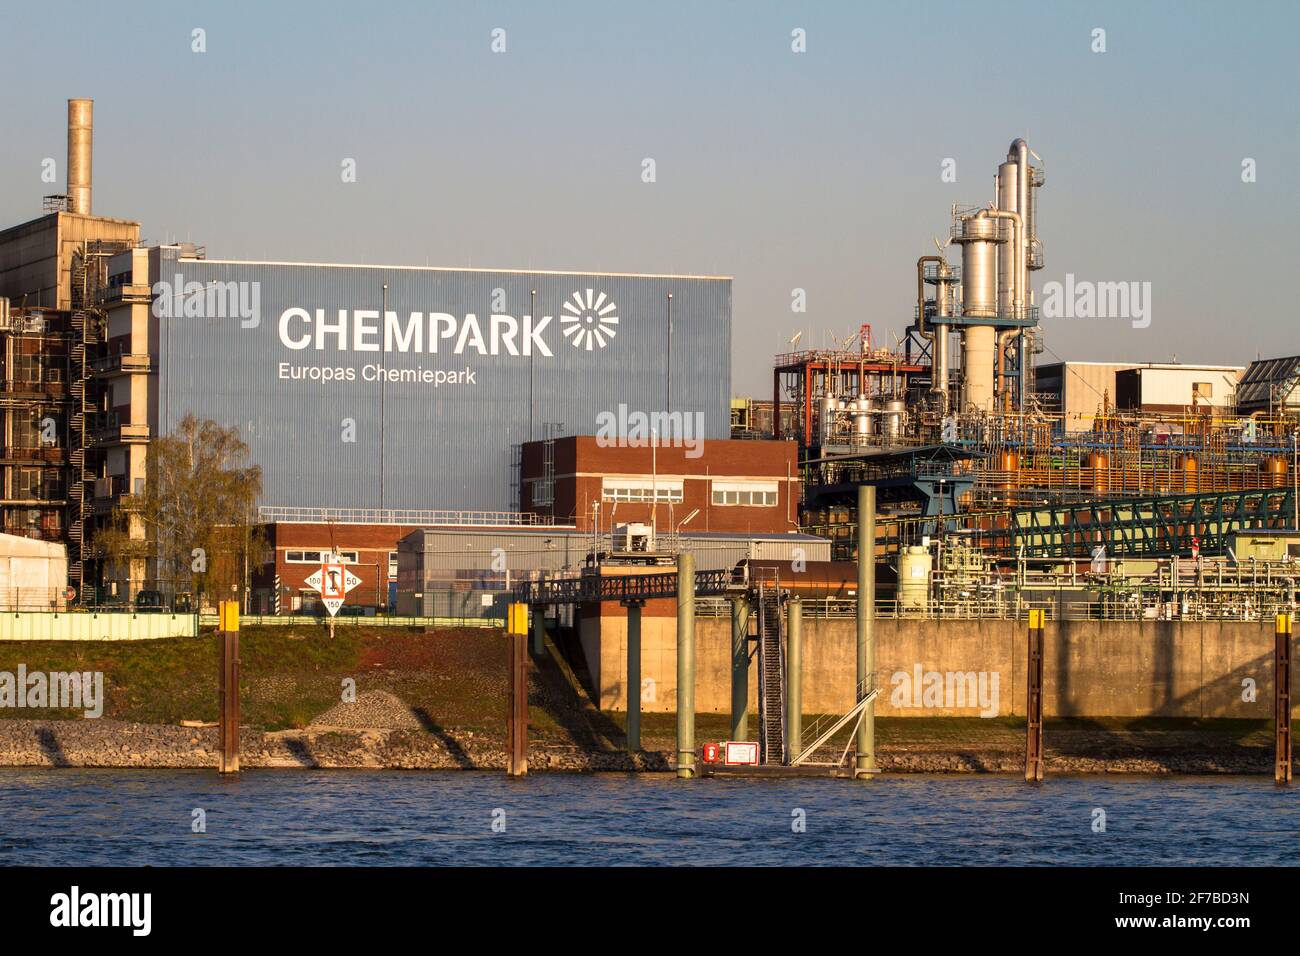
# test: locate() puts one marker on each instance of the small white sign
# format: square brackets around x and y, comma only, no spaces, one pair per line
[333,581]
[740,753]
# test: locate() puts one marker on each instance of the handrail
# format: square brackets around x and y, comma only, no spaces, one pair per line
[865,691]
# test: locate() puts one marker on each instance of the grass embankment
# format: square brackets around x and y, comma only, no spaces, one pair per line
[289,675]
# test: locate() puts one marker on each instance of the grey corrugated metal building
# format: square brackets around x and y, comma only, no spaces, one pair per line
[353,395]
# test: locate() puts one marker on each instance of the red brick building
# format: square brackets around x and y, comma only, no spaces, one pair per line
[737,486]
[294,548]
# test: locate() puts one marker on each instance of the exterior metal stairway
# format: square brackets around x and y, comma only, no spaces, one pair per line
[771,675]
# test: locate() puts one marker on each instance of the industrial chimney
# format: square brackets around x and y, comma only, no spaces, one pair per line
[80,136]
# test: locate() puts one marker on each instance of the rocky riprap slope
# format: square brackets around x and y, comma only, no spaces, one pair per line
[325,743]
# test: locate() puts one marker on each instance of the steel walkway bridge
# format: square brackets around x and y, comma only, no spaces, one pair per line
[623,588]
[1146,527]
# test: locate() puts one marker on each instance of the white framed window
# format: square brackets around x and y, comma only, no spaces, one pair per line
[318,557]
[751,494]
[647,489]
[543,491]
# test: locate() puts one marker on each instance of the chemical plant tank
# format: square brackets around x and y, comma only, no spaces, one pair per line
[914,566]
[863,427]
[892,418]
[999,247]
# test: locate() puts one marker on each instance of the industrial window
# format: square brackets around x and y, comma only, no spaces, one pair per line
[318,557]
[392,565]
[663,490]
[1203,389]
[543,491]
[754,494]
[29,483]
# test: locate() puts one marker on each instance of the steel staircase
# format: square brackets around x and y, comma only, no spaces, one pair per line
[771,675]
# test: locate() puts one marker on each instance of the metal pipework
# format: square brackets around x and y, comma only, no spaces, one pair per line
[865,762]
[920,294]
[942,307]
[685,666]
[81,126]
[938,336]
[739,668]
[793,677]
[1019,151]
[1004,338]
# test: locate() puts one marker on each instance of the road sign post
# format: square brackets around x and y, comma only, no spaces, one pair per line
[333,581]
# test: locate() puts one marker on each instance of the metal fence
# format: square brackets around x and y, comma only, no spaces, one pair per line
[302,620]
[1064,607]
[33,599]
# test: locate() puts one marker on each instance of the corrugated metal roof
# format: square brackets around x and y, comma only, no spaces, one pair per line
[1260,384]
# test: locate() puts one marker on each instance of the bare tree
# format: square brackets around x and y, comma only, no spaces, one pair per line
[195,520]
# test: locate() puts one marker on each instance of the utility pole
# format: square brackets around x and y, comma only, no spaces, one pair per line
[383,392]
[532,358]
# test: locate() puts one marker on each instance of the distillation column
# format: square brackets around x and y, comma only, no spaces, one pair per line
[979,238]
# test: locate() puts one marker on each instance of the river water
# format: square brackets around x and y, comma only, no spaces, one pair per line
[340,817]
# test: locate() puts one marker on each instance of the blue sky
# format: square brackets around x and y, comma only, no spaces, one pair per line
[818,170]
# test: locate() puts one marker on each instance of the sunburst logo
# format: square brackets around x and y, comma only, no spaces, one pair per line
[591,321]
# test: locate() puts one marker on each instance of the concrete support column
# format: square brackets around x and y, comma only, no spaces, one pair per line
[685,666]
[865,762]
[739,668]
[634,676]
[539,631]
[793,678]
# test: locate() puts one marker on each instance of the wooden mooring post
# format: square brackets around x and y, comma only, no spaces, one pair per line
[1034,701]
[228,687]
[517,698]
[1282,700]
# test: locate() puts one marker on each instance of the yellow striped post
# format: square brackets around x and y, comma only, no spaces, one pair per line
[1034,700]
[517,701]
[1282,699]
